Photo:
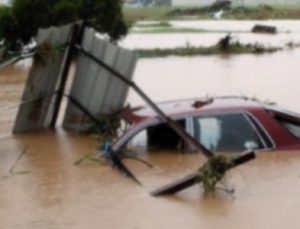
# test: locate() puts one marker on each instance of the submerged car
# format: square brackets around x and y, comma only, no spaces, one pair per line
[222,124]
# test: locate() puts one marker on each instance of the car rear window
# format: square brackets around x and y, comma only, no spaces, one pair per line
[287,122]
[293,128]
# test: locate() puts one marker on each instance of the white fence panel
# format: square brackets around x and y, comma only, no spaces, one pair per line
[42,80]
[96,88]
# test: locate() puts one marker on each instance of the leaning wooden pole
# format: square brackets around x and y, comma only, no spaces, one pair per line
[194,178]
[176,127]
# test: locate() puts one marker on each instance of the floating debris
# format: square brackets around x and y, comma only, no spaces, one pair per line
[213,171]
[264,29]
[12,171]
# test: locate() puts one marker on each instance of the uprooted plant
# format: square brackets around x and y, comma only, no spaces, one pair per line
[47,52]
[105,131]
[213,172]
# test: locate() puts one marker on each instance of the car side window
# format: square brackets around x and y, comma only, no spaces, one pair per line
[226,133]
[292,128]
[156,137]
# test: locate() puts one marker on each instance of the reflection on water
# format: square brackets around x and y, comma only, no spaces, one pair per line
[56,194]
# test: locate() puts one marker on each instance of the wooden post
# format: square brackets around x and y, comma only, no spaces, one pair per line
[193,178]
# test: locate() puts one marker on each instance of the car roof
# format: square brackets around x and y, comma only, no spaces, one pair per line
[189,106]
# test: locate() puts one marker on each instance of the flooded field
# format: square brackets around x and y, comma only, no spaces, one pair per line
[42,188]
[288,32]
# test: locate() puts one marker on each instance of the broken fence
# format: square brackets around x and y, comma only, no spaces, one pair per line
[93,87]
[42,80]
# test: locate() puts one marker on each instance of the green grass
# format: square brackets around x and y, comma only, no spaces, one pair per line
[284,6]
[263,13]
[145,13]
[249,12]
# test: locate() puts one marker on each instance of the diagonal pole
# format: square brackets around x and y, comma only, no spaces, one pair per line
[193,178]
[176,127]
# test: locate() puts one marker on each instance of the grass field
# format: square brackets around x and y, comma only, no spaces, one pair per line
[145,13]
[249,12]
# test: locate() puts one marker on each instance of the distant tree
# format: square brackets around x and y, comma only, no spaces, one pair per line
[8,27]
[24,17]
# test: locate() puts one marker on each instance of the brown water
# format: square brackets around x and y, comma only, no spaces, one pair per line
[44,189]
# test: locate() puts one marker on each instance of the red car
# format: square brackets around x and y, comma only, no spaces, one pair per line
[222,124]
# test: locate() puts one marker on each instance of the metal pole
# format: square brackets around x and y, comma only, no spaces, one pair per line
[65,71]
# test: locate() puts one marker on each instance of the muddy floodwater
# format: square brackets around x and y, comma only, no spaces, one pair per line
[268,77]
[40,187]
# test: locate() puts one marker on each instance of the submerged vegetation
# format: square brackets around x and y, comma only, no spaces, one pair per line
[170,29]
[232,48]
[105,131]
[153,24]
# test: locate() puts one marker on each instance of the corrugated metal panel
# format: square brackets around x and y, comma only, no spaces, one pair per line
[42,80]
[96,88]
